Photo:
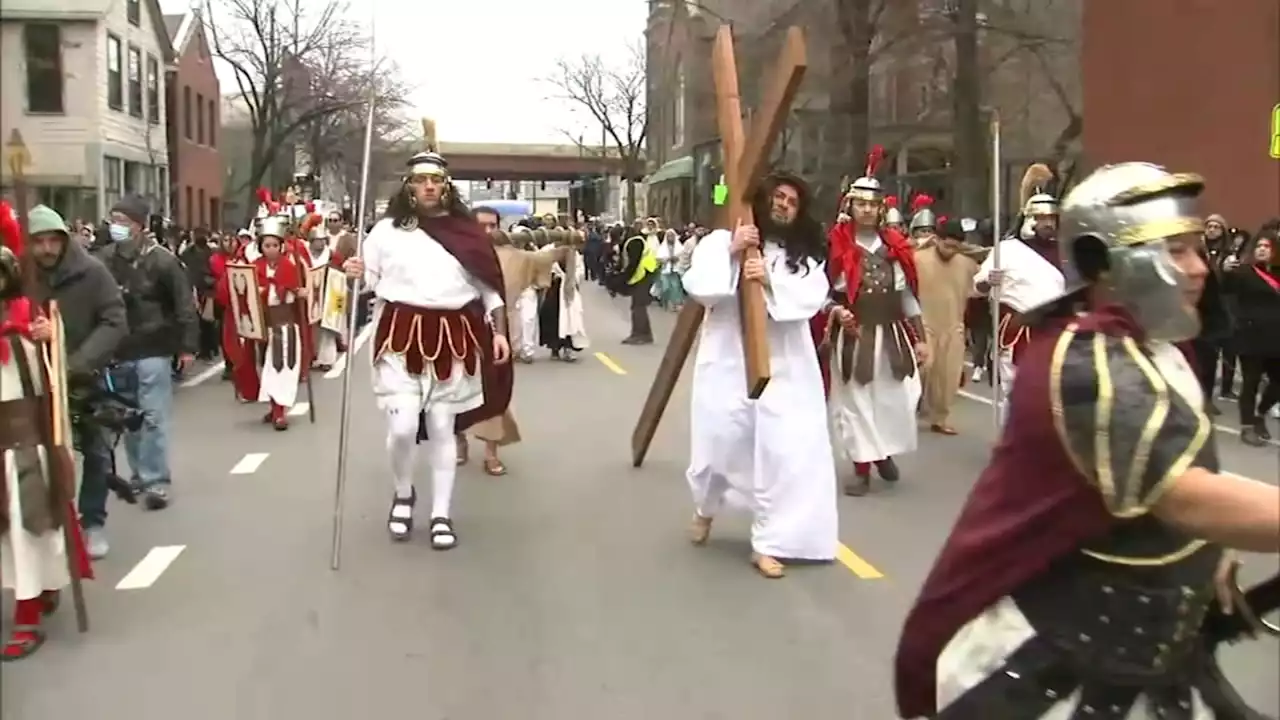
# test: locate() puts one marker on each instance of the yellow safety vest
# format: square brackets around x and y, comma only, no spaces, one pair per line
[648,261]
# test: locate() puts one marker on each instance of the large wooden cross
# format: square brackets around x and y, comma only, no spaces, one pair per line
[745,159]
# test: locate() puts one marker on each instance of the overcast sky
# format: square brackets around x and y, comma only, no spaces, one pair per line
[478,64]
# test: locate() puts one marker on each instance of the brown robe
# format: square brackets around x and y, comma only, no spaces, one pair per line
[944,294]
[521,269]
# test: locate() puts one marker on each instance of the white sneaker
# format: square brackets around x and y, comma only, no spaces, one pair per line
[95,540]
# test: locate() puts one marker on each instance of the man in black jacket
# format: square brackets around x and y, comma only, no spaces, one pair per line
[162,324]
[93,319]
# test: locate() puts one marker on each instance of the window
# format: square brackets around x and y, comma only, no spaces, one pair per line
[115,77]
[677,110]
[135,82]
[191,216]
[43,45]
[113,170]
[215,213]
[134,178]
[134,8]
[186,113]
[203,207]
[213,124]
[199,118]
[153,90]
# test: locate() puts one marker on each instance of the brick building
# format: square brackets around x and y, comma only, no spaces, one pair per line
[1205,106]
[194,126]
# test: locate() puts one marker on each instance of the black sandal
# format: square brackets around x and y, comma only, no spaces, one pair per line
[394,521]
[33,638]
[442,528]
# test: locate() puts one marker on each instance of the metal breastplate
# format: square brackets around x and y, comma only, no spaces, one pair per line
[1126,622]
[878,301]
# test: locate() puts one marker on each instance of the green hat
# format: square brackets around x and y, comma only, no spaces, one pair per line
[43,219]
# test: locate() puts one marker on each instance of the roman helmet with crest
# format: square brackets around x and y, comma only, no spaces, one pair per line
[922,215]
[892,215]
[867,187]
[1037,201]
[1114,227]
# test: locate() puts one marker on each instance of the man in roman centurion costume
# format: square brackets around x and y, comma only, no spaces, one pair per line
[924,221]
[440,347]
[1028,275]
[876,336]
[1077,579]
[280,361]
[37,499]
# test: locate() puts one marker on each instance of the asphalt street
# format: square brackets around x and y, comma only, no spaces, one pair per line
[573,593]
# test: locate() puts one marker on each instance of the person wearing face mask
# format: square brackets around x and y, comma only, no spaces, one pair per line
[163,323]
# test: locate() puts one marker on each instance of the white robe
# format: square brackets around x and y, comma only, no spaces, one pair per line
[326,339]
[281,386]
[771,456]
[29,564]
[878,420]
[1028,282]
[983,645]
[571,323]
[527,316]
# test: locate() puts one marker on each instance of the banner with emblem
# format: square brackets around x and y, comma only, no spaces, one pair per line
[246,305]
[334,313]
[316,281]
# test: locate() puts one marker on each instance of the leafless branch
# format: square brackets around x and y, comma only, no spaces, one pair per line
[302,72]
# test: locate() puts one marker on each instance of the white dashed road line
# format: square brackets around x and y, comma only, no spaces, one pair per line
[151,567]
[211,371]
[340,367]
[249,464]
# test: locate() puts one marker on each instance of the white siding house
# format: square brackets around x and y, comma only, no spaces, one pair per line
[83,81]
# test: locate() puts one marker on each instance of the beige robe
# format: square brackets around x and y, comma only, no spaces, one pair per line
[944,294]
[521,269]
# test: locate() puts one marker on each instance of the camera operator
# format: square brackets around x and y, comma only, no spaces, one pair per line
[162,323]
[93,319]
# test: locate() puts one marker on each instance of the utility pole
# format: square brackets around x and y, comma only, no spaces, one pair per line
[968,137]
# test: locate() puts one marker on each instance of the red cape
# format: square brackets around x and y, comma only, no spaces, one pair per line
[463,238]
[1029,508]
[844,259]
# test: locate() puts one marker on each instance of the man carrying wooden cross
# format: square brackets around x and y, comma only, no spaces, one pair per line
[771,455]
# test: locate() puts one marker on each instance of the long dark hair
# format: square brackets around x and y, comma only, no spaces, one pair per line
[405,212]
[803,238]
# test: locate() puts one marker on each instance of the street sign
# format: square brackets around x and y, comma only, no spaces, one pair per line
[1275,132]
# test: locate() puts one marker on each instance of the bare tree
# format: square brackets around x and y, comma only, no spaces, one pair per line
[614,97]
[295,63]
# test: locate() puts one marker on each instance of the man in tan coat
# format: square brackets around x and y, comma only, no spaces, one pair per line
[521,269]
[946,279]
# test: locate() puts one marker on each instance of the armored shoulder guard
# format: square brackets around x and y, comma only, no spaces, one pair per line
[1122,424]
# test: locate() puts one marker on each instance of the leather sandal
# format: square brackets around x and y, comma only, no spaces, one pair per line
[493,466]
[700,530]
[401,528]
[767,566]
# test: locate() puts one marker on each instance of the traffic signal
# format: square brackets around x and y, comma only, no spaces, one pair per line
[543,186]
[488,183]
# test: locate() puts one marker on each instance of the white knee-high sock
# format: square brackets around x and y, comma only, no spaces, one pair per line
[402,436]
[442,457]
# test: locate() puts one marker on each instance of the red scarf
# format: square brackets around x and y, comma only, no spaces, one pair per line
[17,319]
[285,279]
[846,257]
[1267,278]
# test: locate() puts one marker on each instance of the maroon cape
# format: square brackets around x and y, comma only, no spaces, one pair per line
[1029,508]
[464,239]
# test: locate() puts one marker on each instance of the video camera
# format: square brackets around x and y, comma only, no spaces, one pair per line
[96,407]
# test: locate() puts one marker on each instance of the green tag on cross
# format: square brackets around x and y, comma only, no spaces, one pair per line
[720,195]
